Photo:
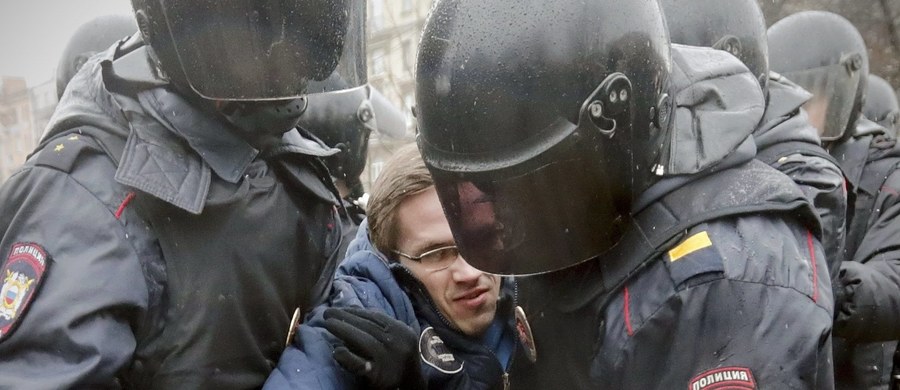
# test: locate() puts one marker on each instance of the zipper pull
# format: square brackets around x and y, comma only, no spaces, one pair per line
[505,381]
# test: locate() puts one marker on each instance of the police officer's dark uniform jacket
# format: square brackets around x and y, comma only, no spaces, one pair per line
[352,215]
[868,302]
[145,244]
[786,141]
[365,279]
[720,279]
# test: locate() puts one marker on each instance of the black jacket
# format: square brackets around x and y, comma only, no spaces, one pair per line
[867,324]
[719,279]
[177,251]
[744,287]
[786,141]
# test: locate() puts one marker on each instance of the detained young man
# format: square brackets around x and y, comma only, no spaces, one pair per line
[405,309]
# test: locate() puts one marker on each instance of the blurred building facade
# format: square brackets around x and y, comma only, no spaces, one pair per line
[24,112]
[394,28]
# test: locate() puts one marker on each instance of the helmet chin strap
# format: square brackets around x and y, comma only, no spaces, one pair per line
[263,117]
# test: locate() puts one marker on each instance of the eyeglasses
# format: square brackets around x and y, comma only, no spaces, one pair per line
[436,259]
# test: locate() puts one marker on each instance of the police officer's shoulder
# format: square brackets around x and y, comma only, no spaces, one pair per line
[811,170]
[771,250]
[688,261]
[62,153]
[746,249]
[754,248]
[694,259]
[81,158]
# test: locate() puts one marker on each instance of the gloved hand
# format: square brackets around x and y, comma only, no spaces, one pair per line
[844,287]
[377,347]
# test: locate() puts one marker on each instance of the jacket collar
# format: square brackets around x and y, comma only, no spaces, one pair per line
[173,147]
[223,151]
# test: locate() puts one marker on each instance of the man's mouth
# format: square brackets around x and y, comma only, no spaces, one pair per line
[473,298]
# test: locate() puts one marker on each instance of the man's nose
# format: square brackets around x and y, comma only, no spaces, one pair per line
[463,272]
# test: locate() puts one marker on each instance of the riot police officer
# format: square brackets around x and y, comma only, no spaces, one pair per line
[881,105]
[344,119]
[784,138]
[573,145]
[833,67]
[89,39]
[173,218]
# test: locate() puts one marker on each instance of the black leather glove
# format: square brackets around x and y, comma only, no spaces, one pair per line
[377,347]
[844,287]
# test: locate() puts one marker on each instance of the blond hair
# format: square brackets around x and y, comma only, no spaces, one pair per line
[404,175]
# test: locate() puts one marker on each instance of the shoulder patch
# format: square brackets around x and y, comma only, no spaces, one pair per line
[436,354]
[62,152]
[735,378]
[690,245]
[22,275]
[693,256]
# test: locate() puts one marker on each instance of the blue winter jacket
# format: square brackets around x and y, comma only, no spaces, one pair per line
[366,279]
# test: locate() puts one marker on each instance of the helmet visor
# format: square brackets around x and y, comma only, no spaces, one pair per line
[266,49]
[834,91]
[558,214]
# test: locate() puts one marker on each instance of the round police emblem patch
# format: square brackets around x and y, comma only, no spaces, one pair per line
[436,354]
[21,275]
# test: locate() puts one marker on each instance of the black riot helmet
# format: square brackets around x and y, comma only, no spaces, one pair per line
[826,55]
[253,50]
[881,104]
[254,58]
[90,38]
[344,119]
[735,26]
[539,132]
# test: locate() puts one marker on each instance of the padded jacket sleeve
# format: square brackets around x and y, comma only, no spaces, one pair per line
[78,329]
[753,307]
[869,308]
[307,363]
[823,183]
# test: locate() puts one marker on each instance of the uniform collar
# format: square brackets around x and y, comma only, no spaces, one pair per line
[170,151]
[226,154]
[161,123]
[173,147]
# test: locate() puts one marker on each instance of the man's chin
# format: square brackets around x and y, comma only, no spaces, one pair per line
[477,325]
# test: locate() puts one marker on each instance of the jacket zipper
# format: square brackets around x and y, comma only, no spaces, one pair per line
[512,357]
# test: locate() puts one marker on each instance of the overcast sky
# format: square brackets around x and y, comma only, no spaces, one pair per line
[33,33]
